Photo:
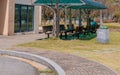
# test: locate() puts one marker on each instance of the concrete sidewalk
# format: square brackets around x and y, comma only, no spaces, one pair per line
[10,66]
[73,65]
[9,41]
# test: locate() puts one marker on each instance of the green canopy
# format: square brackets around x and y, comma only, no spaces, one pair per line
[89,4]
[74,4]
[61,2]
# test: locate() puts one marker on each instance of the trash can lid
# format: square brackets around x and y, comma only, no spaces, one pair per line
[103,27]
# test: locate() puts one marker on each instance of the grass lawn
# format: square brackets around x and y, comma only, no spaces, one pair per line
[107,54]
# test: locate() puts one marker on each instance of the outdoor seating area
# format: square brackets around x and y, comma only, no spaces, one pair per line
[78,33]
[71,32]
[68,31]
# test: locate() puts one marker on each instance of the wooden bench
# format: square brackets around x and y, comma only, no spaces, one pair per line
[48,33]
[50,28]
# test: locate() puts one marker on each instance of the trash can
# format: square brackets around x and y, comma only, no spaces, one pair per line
[103,34]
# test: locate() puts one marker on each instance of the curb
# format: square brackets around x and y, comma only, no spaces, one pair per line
[45,61]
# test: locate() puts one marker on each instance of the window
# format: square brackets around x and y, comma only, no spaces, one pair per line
[30,18]
[24,16]
[17,18]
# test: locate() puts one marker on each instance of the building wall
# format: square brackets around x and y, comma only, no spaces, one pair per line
[7,9]
[11,17]
[6,17]
[37,18]
[3,15]
[28,2]
[37,13]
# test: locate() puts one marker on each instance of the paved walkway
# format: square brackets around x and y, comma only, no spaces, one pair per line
[73,65]
[9,41]
[15,67]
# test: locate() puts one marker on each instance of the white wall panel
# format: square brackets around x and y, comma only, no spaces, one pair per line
[26,2]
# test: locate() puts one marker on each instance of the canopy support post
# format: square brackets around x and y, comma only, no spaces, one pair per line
[80,19]
[70,19]
[65,17]
[88,17]
[101,18]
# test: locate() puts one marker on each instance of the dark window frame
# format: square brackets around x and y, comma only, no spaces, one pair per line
[27,17]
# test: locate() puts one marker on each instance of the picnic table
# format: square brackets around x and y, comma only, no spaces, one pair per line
[65,32]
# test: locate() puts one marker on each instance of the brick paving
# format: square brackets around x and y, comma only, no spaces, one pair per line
[73,65]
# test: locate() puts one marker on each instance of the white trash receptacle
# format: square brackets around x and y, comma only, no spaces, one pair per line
[103,35]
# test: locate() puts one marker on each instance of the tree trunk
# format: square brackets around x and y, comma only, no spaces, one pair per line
[56,26]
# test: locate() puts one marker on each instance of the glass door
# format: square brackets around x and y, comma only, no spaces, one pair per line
[23,18]
[30,18]
[17,18]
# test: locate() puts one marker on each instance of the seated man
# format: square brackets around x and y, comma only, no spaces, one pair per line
[79,29]
[93,25]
